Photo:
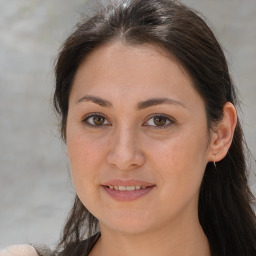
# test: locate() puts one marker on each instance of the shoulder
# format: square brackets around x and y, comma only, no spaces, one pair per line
[19,250]
[27,250]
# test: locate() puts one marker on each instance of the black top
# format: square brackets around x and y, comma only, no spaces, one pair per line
[88,244]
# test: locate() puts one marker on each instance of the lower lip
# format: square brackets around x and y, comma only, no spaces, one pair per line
[127,195]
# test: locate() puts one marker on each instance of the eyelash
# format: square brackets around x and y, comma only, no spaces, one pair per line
[169,121]
[85,120]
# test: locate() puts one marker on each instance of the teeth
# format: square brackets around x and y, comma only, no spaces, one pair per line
[126,188]
[129,188]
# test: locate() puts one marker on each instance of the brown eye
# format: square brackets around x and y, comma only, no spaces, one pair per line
[96,120]
[160,120]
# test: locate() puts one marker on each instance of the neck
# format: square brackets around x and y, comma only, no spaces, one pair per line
[182,240]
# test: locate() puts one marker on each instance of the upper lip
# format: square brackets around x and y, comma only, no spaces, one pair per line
[129,182]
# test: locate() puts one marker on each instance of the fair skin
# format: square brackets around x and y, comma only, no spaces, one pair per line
[115,131]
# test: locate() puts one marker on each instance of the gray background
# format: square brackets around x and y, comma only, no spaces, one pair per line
[35,187]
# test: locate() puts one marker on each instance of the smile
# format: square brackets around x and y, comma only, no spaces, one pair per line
[126,188]
[127,193]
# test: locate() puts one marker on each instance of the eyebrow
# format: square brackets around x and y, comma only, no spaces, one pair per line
[141,105]
[157,101]
[96,100]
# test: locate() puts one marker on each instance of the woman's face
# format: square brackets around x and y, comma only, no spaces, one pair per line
[137,138]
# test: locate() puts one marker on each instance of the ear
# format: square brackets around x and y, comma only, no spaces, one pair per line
[221,137]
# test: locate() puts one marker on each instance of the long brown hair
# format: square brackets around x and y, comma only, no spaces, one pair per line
[225,212]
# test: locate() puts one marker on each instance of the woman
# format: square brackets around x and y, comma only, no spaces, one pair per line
[156,150]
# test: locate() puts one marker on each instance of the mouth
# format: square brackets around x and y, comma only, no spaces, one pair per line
[127,192]
[126,188]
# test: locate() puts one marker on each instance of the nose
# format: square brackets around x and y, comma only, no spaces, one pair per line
[124,151]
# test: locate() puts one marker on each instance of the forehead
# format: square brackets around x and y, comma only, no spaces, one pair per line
[136,71]
[145,55]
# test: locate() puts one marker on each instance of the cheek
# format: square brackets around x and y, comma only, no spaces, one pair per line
[84,158]
[181,148]
[83,163]
[180,161]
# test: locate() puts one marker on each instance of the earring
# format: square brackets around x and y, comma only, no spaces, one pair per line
[214,161]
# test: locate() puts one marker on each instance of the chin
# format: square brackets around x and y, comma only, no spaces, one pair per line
[127,224]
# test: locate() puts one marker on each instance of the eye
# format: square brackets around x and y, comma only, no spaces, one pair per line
[159,121]
[96,120]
